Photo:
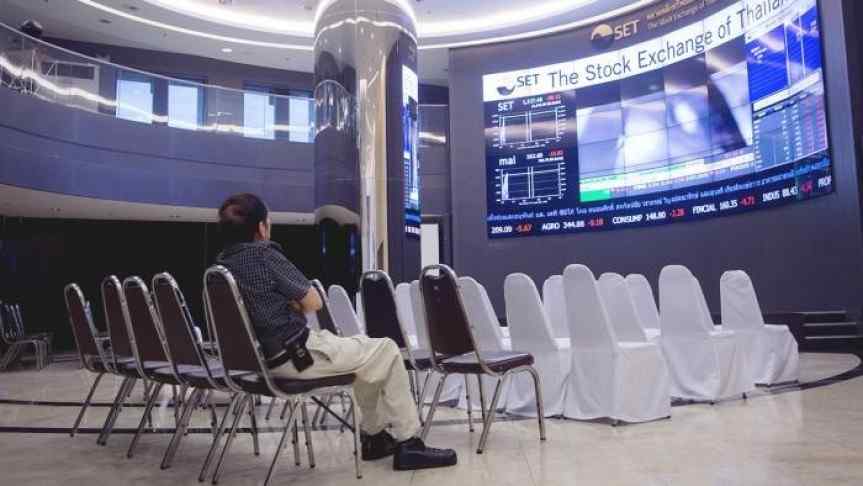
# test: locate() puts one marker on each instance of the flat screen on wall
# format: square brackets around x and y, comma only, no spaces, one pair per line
[410,147]
[686,110]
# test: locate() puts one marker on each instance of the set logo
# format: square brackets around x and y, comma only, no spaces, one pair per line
[506,90]
[604,35]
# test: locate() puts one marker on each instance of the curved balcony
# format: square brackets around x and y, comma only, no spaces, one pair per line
[80,126]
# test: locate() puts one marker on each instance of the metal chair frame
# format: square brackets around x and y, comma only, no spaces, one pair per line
[439,363]
[296,401]
[10,336]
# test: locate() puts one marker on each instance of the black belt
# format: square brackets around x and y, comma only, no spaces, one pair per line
[284,356]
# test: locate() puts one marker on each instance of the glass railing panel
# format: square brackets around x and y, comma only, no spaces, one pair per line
[36,68]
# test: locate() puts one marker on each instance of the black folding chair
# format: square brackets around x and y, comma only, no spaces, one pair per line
[94,357]
[16,343]
[47,337]
[455,352]
[124,361]
[246,371]
[189,361]
[383,321]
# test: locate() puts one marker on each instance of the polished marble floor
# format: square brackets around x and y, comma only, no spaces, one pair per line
[806,435]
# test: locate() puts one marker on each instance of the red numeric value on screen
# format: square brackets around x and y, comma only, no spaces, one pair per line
[678,212]
[747,201]
[596,222]
[524,228]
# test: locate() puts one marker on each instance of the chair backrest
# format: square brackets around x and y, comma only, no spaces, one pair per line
[405,305]
[7,328]
[145,332]
[555,307]
[681,311]
[449,328]
[380,308]
[83,329]
[481,315]
[359,310]
[18,318]
[528,323]
[343,311]
[235,338]
[114,305]
[177,324]
[644,300]
[420,316]
[740,308]
[706,317]
[588,321]
[324,314]
[620,308]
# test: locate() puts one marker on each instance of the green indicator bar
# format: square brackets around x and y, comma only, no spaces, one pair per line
[593,196]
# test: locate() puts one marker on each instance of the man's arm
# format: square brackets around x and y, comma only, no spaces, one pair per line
[294,285]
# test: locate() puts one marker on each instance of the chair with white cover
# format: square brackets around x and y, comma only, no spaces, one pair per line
[645,304]
[555,308]
[489,337]
[621,309]
[619,380]
[530,331]
[774,357]
[343,311]
[453,386]
[705,364]
[406,312]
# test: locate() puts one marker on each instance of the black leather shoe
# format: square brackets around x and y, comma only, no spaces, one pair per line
[414,454]
[378,446]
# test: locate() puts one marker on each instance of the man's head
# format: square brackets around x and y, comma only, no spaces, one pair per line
[244,218]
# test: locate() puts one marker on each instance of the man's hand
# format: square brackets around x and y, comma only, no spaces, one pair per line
[296,306]
[310,303]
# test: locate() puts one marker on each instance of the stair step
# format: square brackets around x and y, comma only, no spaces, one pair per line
[831,329]
[825,317]
[836,337]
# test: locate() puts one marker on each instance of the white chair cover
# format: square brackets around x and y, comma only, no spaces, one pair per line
[555,308]
[453,386]
[627,381]
[531,332]
[704,364]
[774,355]
[404,306]
[488,333]
[645,304]
[620,308]
[312,321]
[343,311]
[360,312]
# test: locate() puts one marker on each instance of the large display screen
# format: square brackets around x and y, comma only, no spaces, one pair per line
[684,110]
[410,148]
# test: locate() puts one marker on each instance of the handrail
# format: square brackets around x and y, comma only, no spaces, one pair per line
[17,32]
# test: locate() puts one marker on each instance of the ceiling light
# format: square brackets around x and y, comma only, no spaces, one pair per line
[227,50]
[197,33]
[229,16]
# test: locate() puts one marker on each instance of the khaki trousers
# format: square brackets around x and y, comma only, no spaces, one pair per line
[382,386]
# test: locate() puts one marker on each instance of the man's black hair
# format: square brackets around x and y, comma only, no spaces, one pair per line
[239,218]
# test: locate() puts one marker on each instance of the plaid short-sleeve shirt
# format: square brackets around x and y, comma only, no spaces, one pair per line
[269,282]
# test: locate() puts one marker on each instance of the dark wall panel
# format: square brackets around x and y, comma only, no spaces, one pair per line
[807,256]
[39,257]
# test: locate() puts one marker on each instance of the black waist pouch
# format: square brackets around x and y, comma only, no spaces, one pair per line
[294,350]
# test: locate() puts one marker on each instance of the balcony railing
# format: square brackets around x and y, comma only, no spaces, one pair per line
[51,73]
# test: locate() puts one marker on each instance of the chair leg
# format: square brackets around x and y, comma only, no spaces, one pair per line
[241,407]
[86,405]
[154,395]
[430,416]
[489,418]
[253,427]
[309,448]
[292,417]
[295,440]
[219,432]
[284,411]
[422,397]
[540,407]
[122,394]
[482,398]
[270,410]
[182,427]
[357,434]
[469,404]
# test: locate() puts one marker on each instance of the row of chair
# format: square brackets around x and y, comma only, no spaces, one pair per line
[603,348]
[152,337]
[14,340]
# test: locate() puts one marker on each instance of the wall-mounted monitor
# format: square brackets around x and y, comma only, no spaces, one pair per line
[687,110]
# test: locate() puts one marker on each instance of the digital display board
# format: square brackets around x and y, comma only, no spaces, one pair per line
[410,148]
[680,114]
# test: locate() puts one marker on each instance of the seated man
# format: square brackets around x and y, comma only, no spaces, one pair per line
[277,296]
